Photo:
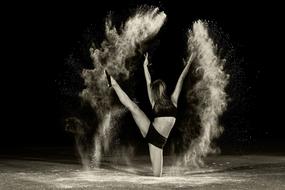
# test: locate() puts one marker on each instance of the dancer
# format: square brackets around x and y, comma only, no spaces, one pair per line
[164,109]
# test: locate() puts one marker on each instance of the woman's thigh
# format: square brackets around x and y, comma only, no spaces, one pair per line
[141,119]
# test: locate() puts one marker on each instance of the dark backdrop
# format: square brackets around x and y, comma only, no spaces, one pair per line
[38,38]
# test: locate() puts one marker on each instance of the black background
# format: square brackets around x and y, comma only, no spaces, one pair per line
[39,37]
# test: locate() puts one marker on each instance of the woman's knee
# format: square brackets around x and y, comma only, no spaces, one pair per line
[157,173]
[157,170]
[140,118]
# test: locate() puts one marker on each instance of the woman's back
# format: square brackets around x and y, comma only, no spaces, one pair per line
[164,125]
[164,117]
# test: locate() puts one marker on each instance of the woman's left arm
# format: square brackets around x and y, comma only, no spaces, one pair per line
[179,84]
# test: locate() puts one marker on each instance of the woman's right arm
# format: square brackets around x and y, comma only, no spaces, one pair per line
[148,80]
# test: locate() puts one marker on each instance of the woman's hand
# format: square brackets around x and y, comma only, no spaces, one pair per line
[192,57]
[145,64]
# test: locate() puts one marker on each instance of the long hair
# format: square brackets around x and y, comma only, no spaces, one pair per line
[161,100]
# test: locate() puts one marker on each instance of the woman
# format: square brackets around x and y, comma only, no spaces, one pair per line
[164,108]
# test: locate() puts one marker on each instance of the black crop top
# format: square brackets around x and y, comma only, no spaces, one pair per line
[170,111]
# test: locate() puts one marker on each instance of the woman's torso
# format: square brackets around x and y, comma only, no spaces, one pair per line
[164,118]
[164,125]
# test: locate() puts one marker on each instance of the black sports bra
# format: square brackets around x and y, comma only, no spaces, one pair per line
[171,111]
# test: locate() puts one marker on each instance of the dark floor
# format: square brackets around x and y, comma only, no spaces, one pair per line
[63,171]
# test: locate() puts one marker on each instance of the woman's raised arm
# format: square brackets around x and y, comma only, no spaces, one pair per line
[148,80]
[179,84]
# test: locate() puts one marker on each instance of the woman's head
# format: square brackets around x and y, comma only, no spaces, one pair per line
[161,100]
[158,88]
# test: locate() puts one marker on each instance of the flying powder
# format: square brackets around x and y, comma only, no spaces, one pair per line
[208,91]
[115,55]
[206,98]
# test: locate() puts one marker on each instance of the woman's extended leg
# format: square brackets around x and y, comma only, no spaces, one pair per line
[139,116]
[142,121]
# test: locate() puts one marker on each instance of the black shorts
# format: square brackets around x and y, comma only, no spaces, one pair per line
[155,138]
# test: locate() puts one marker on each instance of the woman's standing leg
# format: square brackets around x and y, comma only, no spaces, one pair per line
[156,157]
